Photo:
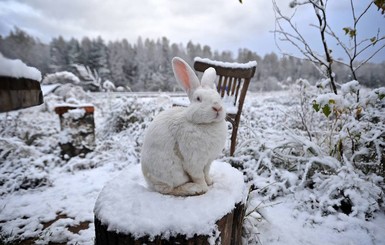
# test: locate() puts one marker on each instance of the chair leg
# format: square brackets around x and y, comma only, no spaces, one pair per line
[233,138]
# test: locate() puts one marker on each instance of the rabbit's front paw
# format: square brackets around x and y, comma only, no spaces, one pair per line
[209,180]
[198,189]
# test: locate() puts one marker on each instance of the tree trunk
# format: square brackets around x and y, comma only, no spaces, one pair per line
[18,93]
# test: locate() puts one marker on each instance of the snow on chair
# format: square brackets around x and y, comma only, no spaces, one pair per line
[232,84]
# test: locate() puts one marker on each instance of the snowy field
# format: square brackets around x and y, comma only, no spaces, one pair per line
[44,199]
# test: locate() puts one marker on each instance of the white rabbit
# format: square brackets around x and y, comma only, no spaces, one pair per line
[181,142]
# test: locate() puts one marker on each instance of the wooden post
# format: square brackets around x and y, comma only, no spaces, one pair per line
[126,208]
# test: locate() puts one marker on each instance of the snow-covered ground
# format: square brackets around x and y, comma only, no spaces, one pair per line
[46,199]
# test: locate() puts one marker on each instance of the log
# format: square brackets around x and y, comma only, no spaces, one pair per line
[128,212]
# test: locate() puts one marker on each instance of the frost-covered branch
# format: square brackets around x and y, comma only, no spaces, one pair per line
[295,37]
[357,48]
[287,31]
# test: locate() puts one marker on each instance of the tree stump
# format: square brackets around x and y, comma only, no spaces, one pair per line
[128,212]
[77,136]
[18,93]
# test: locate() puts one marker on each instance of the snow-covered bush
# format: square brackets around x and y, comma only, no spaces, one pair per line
[348,191]
[62,77]
[355,126]
[130,114]
[329,153]
[268,84]
[23,166]
[27,150]
[72,94]
[109,86]
[90,79]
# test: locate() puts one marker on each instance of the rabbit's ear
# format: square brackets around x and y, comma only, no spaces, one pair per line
[208,78]
[185,75]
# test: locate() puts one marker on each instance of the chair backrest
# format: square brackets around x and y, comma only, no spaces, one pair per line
[233,78]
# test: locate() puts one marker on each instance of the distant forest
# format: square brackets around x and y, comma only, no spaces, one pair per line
[145,65]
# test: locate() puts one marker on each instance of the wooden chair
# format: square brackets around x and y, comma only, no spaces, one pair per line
[232,84]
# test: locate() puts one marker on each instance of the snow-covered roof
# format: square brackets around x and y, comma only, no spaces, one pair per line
[247,65]
[127,205]
[17,69]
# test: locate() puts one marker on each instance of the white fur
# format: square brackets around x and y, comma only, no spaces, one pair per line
[181,143]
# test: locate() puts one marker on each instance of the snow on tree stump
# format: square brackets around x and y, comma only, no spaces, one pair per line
[77,136]
[128,212]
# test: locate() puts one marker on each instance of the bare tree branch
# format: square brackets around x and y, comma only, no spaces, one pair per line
[295,37]
[353,50]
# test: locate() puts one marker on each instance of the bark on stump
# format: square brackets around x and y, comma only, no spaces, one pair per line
[117,221]
[77,130]
[18,93]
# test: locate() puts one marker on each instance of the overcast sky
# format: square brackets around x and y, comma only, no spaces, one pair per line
[221,24]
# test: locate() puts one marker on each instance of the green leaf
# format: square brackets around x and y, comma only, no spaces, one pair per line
[331,101]
[326,110]
[381,96]
[352,33]
[373,40]
[316,106]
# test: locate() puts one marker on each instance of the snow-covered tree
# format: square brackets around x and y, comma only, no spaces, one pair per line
[98,58]
[59,54]
[74,52]
[116,61]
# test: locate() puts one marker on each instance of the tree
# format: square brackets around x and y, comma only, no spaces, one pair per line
[74,52]
[116,62]
[59,54]
[20,45]
[130,65]
[98,58]
[85,48]
[287,31]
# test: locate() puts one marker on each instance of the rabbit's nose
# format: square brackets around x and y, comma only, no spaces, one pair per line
[217,108]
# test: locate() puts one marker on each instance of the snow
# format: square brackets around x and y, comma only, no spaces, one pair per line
[329,98]
[130,207]
[284,224]
[247,65]
[60,77]
[37,186]
[46,89]
[17,69]
[75,113]
[75,104]
[350,87]
[231,107]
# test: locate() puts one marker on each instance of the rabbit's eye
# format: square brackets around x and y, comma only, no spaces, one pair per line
[199,99]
